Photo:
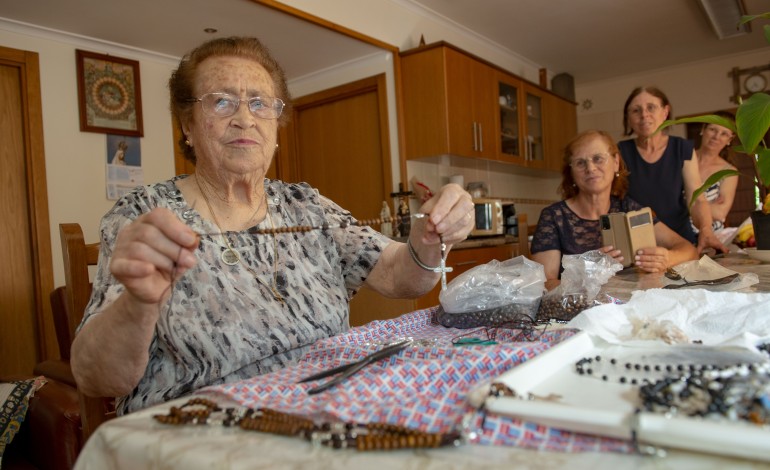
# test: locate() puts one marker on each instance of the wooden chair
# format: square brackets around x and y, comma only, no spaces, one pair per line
[78,256]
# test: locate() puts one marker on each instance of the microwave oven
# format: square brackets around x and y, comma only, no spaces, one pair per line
[489,217]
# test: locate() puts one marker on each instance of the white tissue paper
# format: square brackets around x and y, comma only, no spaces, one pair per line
[722,319]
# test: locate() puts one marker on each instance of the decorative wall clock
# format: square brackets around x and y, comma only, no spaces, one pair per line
[749,80]
[109,95]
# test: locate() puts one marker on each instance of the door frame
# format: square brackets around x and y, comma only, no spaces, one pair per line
[27,63]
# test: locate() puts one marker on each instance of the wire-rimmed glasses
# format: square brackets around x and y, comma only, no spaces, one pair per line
[225,105]
[598,160]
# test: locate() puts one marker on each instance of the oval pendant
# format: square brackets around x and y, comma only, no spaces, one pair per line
[230,257]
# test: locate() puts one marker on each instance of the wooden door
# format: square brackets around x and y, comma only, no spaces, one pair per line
[27,333]
[337,141]
[340,145]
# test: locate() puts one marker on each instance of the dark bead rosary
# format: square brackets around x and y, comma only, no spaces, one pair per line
[739,392]
[338,435]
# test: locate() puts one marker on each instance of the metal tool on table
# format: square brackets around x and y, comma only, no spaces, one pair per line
[348,370]
[710,282]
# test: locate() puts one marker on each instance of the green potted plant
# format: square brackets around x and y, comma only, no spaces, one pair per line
[752,122]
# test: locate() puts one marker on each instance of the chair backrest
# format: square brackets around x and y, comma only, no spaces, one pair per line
[78,255]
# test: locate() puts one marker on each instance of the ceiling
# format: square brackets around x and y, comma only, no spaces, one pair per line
[590,39]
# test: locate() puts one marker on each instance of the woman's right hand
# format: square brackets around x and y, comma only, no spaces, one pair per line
[152,251]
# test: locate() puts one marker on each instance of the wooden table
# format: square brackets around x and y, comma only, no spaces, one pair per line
[623,284]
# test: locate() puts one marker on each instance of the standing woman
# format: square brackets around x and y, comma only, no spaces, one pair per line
[712,157]
[663,169]
[205,279]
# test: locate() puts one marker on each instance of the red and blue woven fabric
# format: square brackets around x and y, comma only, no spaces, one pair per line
[424,387]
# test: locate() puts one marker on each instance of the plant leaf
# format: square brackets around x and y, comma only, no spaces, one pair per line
[746,18]
[710,181]
[706,119]
[753,121]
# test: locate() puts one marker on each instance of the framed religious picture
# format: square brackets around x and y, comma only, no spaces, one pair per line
[109,94]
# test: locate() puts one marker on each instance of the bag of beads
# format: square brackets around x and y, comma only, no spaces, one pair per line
[492,294]
[582,279]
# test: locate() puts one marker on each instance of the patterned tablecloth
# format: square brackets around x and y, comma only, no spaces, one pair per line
[423,387]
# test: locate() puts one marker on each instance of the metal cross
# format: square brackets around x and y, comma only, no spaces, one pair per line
[442,268]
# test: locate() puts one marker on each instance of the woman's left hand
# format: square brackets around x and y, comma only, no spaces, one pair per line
[450,214]
[652,260]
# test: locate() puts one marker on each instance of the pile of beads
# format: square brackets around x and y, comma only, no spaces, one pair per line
[738,393]
[338,435]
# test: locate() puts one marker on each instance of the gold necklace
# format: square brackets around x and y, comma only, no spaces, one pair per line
[231,257]
[274,288]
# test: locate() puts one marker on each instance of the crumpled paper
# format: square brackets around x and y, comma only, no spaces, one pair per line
[725,319]
[706,269]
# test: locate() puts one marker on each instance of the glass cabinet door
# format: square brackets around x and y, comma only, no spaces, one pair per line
[511,144]
[533,141]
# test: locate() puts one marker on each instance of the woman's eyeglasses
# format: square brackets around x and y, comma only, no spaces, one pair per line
[722,134]
[225,105]
[598,160]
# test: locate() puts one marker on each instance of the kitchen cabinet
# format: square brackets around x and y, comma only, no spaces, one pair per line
[460,105]
[560,126]
[447,96]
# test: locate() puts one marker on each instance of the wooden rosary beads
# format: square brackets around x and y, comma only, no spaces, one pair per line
[308,228]
[338,435]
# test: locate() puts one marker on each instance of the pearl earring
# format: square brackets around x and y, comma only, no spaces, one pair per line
[617,173]
[187,143]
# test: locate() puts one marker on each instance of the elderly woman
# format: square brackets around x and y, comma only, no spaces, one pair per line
[663,169]
[594,183]
[195,287]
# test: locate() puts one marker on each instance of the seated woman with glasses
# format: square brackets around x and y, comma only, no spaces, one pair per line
[594,183]
[215,277]
[712,157]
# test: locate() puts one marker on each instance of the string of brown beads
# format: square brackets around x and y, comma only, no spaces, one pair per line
[338,435]
[308,228]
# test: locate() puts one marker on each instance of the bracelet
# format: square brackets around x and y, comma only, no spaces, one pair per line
[416,259]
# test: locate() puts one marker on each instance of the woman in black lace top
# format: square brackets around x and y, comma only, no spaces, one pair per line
[594,183]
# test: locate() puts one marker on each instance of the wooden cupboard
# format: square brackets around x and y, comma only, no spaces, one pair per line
[446,96]
[560,126]
[457,104]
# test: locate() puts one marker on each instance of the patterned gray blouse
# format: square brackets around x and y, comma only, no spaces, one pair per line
[223,325]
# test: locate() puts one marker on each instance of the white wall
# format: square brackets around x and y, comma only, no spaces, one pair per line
[75,161]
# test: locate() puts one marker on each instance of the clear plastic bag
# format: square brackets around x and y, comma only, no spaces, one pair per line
[582,279]
[493,294]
